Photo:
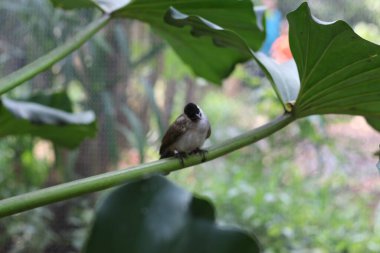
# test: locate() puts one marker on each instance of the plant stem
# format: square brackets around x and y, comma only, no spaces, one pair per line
[32,69]
[76,188]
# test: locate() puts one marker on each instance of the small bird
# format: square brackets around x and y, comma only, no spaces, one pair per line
[187,134]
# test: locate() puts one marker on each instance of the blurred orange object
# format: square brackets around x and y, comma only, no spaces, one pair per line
[280,50]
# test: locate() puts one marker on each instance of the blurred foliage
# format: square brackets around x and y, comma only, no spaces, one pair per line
[31,118]
[29,30]
[23,233]
[184,220]
[368,31]
[286,210]
[263,188]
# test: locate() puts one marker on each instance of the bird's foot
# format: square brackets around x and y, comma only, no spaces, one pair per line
[181,156]
[201,152]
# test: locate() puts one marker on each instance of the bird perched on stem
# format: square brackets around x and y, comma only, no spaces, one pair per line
[187,134]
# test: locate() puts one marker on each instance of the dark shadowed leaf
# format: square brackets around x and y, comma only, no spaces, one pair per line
[62,128]
[156,216]
[339,71]
[58,100]
[374,122]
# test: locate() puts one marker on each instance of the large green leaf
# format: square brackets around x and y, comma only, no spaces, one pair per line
[154,215]
[339,71]
[283,77]
[62,128]
[206,60]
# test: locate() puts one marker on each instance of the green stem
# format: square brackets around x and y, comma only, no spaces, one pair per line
[32,69]
[76,188]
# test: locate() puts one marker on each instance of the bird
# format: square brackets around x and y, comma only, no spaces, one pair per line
[186,135]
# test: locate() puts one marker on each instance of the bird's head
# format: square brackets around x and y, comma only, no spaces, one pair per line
[193,112]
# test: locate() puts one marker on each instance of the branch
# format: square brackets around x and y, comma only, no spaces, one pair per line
[80,187]
[32,69]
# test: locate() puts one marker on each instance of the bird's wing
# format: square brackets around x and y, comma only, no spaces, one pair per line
[209,131]
[176,130]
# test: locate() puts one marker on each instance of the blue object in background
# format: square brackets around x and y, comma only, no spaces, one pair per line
[273,26]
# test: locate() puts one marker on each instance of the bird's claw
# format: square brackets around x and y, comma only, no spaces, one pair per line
[201,152]
[181,156]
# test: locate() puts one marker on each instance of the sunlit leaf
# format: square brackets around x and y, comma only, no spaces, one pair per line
[374,122]
[284,78]
[62,128]
[154,215]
